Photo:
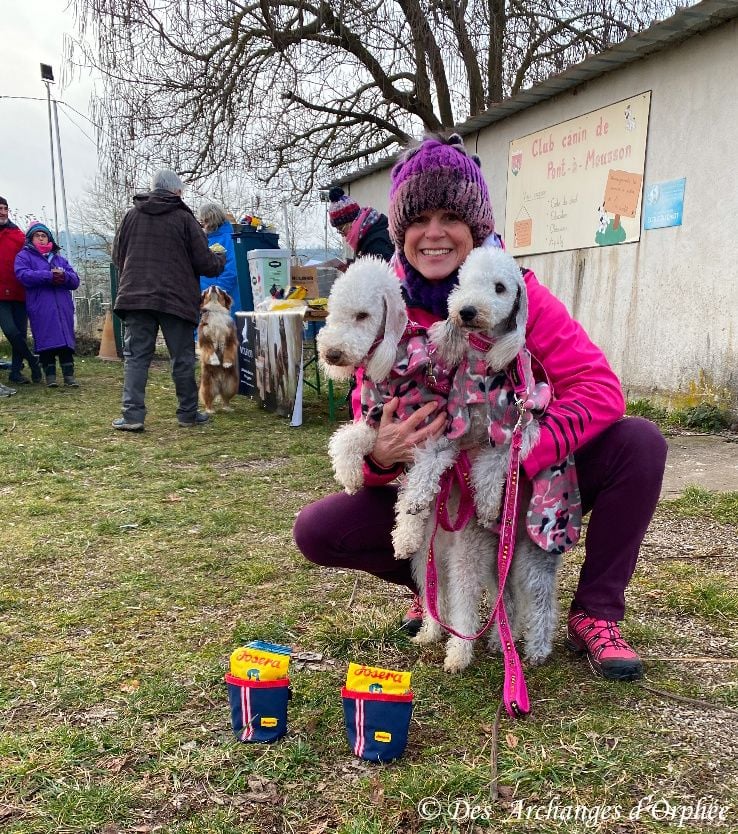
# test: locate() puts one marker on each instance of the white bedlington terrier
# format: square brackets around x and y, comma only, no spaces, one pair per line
[482,338]
[367,326]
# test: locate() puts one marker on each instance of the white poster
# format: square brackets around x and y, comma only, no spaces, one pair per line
[271,360]
[579,183]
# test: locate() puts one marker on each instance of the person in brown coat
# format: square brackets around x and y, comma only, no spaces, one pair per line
[161,252]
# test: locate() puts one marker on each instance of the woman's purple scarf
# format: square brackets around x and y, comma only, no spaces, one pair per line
[433,295]
[429,295]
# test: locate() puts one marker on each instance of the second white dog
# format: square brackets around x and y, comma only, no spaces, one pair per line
[482,336]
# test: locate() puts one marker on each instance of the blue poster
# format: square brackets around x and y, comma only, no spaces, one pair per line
[663,204]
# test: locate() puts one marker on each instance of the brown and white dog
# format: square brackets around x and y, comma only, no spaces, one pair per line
[218,342]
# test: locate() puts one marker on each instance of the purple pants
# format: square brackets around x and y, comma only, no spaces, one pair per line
[619,473]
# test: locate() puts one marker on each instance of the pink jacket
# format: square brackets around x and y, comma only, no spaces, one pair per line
[586,394]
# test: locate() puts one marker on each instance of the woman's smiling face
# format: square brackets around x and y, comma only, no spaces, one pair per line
[437,243]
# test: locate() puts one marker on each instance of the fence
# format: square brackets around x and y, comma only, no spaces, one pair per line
[89,314]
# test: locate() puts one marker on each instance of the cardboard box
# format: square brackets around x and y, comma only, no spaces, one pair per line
[305,276]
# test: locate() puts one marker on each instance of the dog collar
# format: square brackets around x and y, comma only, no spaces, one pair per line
[480,341]
[413,329]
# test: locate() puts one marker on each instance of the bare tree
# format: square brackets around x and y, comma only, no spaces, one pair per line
[295,90]
[98,211]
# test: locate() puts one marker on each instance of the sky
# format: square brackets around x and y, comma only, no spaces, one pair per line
[31,33]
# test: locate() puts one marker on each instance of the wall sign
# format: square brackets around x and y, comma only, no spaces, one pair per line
[663,204]
[579,183]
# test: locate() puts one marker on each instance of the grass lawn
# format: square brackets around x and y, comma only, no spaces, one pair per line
[132,565]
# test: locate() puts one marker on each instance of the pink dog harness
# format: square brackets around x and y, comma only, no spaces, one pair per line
[515,692]
[472,385]
[527,396]
[554,516]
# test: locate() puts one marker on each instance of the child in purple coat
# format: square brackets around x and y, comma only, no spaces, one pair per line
[49,280]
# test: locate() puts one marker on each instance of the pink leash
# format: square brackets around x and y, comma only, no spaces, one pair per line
[515,692]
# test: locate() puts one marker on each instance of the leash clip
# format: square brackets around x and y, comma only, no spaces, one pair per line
[520,405]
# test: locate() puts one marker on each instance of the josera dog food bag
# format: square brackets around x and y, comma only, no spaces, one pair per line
[377,706]
[258,691]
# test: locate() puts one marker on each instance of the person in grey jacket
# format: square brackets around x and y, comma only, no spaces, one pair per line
[161,252]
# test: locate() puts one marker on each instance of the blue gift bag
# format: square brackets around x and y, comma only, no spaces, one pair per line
[376,724]
[258,708]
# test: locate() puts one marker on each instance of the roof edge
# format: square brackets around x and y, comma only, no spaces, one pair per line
[684,24]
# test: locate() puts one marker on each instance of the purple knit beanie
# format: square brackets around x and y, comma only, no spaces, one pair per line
[439,174]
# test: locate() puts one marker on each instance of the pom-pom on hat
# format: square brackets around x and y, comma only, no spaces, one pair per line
[343,208]
[439,174]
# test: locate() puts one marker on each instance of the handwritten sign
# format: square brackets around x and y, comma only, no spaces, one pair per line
[622,192]
[579,183]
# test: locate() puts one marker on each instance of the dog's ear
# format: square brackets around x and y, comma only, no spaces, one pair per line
[511,339]
[227,299]
[449,340]
[395,320]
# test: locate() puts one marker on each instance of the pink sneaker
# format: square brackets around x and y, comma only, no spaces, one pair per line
[412,621]
[608,654]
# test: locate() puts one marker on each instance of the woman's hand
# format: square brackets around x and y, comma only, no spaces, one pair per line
[396,440]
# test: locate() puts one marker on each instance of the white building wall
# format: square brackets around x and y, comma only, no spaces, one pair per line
[665,309]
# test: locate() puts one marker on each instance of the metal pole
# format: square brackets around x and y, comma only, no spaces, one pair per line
[53,167]
[70,257]
[285,220]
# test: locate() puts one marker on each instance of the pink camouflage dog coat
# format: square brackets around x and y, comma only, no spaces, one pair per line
[554,515]
[416,378]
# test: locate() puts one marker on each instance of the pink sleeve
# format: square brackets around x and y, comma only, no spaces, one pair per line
[372,477]
[587,396]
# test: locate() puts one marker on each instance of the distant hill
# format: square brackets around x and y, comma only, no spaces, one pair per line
[85,247]
[317,254]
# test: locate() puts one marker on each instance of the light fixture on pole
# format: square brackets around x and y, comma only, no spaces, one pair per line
[323,196]
[47,76]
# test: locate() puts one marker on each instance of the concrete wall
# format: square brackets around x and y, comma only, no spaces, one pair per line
[665,309]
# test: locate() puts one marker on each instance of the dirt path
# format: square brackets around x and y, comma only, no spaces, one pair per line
[704,460]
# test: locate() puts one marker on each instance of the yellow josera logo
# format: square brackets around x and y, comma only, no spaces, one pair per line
[381,735]
[269,722]
[362,678]
[249,663]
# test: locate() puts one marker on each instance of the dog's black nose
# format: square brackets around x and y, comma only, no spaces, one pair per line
[333,356]
[468,313]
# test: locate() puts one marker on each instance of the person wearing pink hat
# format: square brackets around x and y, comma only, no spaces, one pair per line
[439,211]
